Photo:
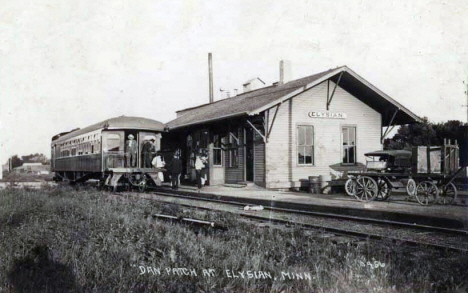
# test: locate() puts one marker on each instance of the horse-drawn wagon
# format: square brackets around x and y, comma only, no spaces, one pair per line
[427,173]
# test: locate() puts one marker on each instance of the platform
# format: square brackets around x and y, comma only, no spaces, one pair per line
[395,209]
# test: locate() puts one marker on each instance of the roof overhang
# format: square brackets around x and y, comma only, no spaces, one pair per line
[209,120]
[362,90]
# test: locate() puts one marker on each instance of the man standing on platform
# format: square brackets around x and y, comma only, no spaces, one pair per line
[148,151]
[131,150]
[176,169]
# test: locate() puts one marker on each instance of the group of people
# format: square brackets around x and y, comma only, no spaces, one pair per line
[175,169]
[148,152]
[152,158]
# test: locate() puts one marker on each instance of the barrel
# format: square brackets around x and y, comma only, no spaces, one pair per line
[315,183]
[304,185]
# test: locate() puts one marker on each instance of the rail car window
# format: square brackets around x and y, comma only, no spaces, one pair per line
[113,142]
[305,145]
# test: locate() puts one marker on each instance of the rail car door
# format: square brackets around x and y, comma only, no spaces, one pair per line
[113,149]
[144,136]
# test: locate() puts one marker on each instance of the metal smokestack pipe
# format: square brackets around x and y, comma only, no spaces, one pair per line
[210,73]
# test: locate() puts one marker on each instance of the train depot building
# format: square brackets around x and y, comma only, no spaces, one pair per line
[274,136]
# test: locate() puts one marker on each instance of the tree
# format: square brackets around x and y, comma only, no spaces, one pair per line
[35,158]
[426,133]
[16,161]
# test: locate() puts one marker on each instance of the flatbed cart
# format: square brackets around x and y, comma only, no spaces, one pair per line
[427,173]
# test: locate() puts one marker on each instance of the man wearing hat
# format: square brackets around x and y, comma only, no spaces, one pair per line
[131,150]
[148,151]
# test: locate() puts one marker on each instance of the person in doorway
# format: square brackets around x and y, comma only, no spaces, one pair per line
[199,165]
[131,150]
[148,152]
[176,169]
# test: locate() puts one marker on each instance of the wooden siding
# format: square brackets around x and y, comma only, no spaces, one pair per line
[86,163]
[235,174]
[282,170]
[259,163]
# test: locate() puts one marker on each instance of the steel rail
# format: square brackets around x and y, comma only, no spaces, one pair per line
[328,215]
[337,231]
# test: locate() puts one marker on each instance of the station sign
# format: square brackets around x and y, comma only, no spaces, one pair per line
[329,115]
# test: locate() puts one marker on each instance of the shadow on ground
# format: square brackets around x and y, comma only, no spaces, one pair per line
[38,272]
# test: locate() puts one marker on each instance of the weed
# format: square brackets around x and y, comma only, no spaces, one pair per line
[68,240]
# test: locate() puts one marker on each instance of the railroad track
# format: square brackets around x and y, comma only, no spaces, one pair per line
[349,226]
[326,215]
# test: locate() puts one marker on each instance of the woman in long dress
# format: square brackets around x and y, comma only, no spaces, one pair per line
[158,162]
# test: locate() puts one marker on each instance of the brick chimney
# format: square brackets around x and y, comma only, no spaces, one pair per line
[285,71]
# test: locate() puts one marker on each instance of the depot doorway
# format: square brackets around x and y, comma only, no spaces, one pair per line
[249,154]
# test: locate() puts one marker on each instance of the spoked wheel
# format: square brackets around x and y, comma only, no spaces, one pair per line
[448,193]
[366,189]
[384,189]
[411,187]
[142,186]
[350,186]
[427,193]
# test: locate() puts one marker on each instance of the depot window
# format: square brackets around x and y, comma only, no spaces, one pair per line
[348,138]
[217,152]
[305,145]
[233,151]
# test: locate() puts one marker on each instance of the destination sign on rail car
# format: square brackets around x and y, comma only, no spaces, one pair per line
[330,115]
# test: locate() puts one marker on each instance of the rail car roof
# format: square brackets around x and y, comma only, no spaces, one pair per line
[256,101]
[121,122]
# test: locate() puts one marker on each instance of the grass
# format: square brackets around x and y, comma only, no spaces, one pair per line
[25,177]
[64,240]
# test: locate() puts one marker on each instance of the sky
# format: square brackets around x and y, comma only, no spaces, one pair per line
[68,64]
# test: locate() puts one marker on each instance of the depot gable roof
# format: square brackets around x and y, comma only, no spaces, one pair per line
[257,101]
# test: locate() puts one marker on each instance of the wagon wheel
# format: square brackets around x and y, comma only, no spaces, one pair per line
[350,186]
[427,193]
[384,190]
[449,193]
[411,187]
[366,188]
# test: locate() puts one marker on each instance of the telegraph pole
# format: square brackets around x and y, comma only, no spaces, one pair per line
[466,105]
[466,92]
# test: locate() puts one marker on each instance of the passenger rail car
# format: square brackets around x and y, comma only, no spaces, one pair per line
[98,152]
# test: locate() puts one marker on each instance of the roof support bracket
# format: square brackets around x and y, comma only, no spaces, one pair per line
[272,122]
[258,131]
[330,98]
[233,136]
[389,129]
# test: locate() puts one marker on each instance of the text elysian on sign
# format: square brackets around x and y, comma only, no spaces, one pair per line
[331,115]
